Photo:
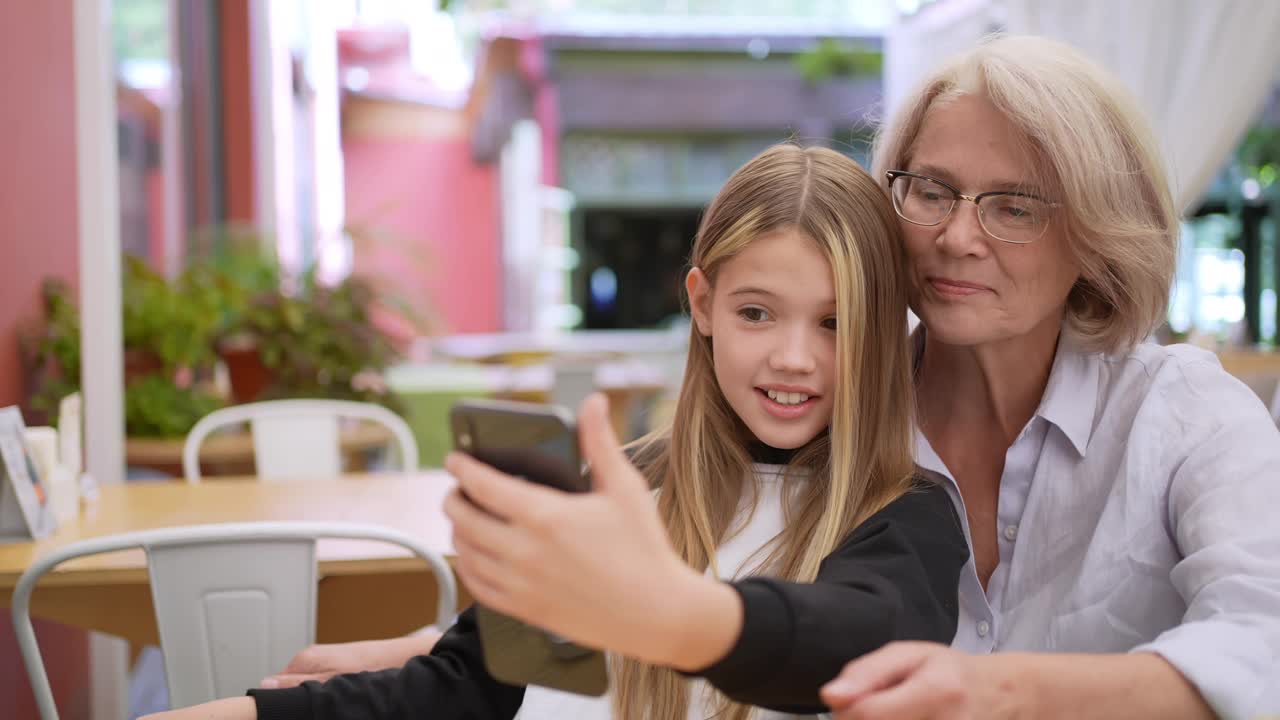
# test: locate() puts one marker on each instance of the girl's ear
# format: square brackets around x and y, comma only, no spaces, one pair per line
[699,288]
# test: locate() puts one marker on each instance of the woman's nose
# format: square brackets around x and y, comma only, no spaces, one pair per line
[962,232]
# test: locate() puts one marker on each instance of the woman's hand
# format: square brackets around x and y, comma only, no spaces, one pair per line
[917,680]
[597,567]
[236,708]
[321,662]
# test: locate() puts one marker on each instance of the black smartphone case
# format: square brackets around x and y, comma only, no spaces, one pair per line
[536,442]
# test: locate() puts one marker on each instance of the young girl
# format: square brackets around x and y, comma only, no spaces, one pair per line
[773,554]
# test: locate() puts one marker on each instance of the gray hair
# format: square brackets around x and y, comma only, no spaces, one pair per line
[1092,147]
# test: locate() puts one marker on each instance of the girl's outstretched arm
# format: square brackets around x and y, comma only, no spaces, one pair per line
[598,569]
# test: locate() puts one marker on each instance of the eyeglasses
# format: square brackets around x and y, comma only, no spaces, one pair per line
[1011,217]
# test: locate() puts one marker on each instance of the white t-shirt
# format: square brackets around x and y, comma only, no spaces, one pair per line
[734,559]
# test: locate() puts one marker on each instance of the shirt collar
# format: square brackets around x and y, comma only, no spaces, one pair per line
[926,457]
[1071,396]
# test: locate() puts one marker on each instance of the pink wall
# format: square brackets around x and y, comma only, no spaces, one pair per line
[37,238]
[38,173]
[430,193]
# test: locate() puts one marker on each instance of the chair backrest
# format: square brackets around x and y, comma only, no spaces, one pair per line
[297,439]
[233,602]
[1267,387]
[572,382]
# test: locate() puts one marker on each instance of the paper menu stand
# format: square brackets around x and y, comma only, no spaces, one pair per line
[69,451]
[25,510]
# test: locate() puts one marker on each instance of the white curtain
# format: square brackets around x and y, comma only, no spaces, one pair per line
[915,45]
[1200,69]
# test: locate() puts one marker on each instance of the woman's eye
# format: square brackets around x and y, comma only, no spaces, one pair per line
[753,314]
[829,323]
[1021,212]
[927,194]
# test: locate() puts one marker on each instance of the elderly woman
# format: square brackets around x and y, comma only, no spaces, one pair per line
[1121,497]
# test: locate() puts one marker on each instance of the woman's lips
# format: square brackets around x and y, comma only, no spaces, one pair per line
[956,288]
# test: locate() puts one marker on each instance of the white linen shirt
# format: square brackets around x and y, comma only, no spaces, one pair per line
[1139,511]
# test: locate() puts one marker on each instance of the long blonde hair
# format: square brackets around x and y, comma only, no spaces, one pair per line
[1089,145]
[701,462]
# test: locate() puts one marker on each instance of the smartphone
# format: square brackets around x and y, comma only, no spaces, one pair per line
[540,444]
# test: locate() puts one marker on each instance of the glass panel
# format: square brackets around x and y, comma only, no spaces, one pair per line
[1267,258]
[140,37]
[1209,295]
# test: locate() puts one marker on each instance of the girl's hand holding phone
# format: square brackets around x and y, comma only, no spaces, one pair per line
[596,567]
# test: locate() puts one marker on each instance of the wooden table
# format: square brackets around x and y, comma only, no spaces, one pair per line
[367,589]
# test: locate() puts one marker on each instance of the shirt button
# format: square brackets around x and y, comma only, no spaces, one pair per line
[984,628]
[1011,533]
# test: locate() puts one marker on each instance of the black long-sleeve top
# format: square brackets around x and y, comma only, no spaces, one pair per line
[895,577]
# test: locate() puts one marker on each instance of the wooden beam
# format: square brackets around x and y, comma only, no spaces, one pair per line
[235,69]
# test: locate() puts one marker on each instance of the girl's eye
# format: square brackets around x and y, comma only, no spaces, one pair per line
[753,314]
[829,323]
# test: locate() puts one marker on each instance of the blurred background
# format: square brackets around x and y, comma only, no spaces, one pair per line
[409,201]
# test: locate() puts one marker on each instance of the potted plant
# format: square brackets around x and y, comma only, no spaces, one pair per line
[167,330]
[230,304]
[157,407]
[167,326]
[236,262]
[320,342]
[830,58]
[50,352]
[299,337]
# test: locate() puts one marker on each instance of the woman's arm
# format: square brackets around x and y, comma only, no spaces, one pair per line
[451,683]
[452,678]
[1092,687]
[236,708]
[1220,511]
[931,680]
[320,662]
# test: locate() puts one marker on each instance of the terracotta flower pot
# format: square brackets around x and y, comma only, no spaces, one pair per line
[248,375]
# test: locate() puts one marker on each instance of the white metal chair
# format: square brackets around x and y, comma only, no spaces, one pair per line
[297,439]
[233,602]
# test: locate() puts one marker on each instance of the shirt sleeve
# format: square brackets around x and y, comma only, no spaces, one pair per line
[449,684]
[1224,517]
[895,577]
